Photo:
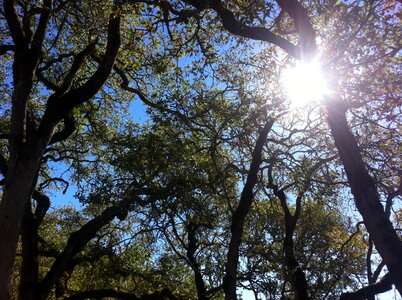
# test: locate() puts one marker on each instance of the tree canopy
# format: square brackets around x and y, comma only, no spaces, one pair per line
[192,171]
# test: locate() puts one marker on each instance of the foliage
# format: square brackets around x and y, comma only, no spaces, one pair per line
[152,129]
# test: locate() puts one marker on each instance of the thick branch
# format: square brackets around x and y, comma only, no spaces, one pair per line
[232,25]
[42,26]
[3,165]
[29,271]
[385,284]
[14,24]
[42,206]
[302,23]
[58,106]
[85,92]
[240,214]
[297,275]
[191,250]
[77,64]
[78,241]
[69,128]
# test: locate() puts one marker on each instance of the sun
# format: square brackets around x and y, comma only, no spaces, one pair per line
[304,82]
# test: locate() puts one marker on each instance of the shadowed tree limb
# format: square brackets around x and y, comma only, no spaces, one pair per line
[382,286]
[231,24]
[240,214]
[59,105]
[78,240]
[30,246]
[69,128]
[296,274]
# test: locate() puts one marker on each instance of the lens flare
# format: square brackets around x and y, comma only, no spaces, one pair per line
[304,83]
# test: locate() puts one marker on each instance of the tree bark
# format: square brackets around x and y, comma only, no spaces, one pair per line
[297,276]
[368,292]
[77,241]
[17,190]
[365,192]
[29,274]
[29,266]
[191,250]
[26,145]
[239,216]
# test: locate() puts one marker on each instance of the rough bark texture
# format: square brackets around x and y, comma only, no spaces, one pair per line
[240,214]
[17,190]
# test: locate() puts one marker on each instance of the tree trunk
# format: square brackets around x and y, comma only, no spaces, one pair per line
[17,190]
[365,192]
[239,216]
[29,266]
[297,276]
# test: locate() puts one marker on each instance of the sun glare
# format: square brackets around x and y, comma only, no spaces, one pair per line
[304,83]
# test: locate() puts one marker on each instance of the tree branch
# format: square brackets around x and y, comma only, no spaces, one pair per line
[85,92]
[69,128]
[77,63]
[385,284]
[14,24]
[3,165]
[230,23]
[60,105]
[43,204]
[302,23]
[240,214]
[5,48]
[42,26]
[78,240]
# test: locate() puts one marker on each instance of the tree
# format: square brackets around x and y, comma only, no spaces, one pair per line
[215,143]
[362,184]
[28,139]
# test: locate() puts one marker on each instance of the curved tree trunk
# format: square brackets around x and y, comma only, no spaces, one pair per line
[365,192]
[239,216]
